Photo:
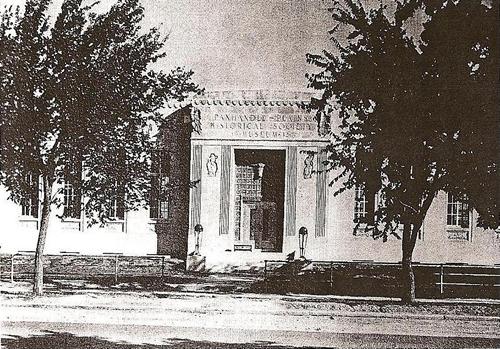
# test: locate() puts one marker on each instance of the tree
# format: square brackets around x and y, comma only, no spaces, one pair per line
[463,63]
[77,96]
[401,130]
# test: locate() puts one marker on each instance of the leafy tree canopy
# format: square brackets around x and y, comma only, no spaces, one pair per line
[81,88]
[415,115]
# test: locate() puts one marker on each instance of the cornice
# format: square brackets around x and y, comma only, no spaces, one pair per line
[251,98]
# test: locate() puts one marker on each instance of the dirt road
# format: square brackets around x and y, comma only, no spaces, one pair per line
[235,318]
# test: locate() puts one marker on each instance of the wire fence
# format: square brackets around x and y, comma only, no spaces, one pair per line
[73,265]
[357,278]
[382,279]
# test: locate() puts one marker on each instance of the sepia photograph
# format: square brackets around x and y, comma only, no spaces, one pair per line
[249,174]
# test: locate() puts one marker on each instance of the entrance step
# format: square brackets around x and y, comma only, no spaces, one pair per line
[196,263]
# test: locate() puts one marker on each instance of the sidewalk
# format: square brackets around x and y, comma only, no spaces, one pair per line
[213,283]
[18,294]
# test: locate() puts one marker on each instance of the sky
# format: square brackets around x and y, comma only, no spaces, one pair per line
[238,44]
[243,44]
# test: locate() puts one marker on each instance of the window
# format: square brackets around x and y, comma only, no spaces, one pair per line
[116,210]
[71,200]
[29,200]
[363,206]
[458,212]
[160,179]
[72,192]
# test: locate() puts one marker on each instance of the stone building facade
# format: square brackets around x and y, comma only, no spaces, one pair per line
[248,167]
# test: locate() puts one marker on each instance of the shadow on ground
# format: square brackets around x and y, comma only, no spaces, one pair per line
[433,281]
[62,340]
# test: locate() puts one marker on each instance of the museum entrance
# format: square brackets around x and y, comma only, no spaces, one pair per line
[259,199]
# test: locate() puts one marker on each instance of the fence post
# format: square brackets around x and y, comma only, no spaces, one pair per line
[162,266]
[441,279]
[12,268]
[295,280]
[265,276]
[331,277]
[116,269]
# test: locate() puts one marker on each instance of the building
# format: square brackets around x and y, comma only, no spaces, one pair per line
[248,167]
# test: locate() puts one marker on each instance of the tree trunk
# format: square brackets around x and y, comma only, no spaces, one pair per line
[42,235]
[408,279]
[407,276]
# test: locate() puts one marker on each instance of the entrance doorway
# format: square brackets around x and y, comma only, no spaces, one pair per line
[260,196]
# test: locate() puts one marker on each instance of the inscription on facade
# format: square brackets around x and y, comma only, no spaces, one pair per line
[259,126]
[461,234]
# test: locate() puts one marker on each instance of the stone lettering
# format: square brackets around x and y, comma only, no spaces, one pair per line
[255,126]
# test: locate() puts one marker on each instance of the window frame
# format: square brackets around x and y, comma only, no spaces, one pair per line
[72,202]
[30,199]
[364,209]
[116,200]
[160,205]
[457,231]
[458,207]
